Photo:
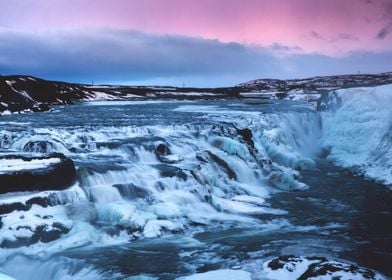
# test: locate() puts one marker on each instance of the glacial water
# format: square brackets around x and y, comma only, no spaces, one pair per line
[172,188]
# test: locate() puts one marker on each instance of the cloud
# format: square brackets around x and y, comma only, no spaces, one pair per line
[383,33]
[387,17]
[333,39]
[316,35]
[284,50]
[113,55]
[108,54]
[346,36]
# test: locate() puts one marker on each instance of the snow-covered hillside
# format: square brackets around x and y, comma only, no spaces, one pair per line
[320,82]
[311,88]
[26,93]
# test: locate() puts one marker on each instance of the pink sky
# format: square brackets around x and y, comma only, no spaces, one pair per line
[197,42]
[333,27]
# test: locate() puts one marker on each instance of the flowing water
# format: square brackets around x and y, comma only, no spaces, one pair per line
[170,188]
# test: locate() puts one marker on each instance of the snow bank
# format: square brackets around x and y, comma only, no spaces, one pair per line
[5,277]
[223,274]
[11,164]
[358,135]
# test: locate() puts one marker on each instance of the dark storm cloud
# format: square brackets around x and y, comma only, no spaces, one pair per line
[106,55]
[122,55]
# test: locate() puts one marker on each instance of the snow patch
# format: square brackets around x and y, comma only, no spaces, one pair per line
[13,165]
[223,274]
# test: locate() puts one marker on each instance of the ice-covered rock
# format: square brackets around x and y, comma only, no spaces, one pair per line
[285,181]
[154,228]
[21,228]
[358,134]
[123,214]
[302,268]
[24,201]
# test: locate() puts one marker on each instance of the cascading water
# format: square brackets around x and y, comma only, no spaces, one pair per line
[208,165]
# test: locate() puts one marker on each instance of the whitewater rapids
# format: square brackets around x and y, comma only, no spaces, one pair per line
[167,168]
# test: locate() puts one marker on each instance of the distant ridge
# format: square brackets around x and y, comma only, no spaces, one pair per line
[320,82]
[20,93]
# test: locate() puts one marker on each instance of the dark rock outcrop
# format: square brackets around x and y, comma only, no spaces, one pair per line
[167,170]
[131,191]
[208,156]
[53,176]
[247,135]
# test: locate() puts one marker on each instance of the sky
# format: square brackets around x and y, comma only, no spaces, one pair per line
[193,42]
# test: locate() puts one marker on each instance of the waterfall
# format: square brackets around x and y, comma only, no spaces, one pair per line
[151,180]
